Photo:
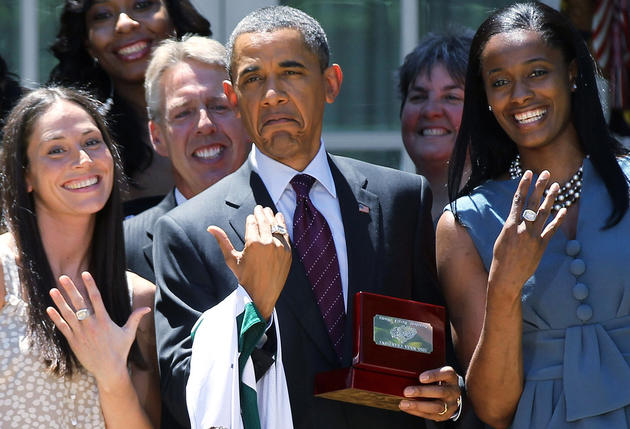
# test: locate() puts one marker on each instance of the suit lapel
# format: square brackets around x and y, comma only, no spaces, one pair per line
[168,203]
[297,297]
[361,214]
[245,193]
[362,234]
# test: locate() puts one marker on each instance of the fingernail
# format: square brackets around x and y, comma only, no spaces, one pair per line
[404,404]
[424,378]
[408,391]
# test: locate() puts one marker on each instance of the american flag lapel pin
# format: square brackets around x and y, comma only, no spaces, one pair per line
[363,208]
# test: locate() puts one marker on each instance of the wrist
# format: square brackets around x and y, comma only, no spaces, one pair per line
[503,295]
[114,382]
[263,302]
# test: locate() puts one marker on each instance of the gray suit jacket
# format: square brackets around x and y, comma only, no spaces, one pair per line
[390,251]
[139,237]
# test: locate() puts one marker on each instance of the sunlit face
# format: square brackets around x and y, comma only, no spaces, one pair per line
[121,33]
[281,94]
[200,131]
[70,169]
[527,83]
[431,116]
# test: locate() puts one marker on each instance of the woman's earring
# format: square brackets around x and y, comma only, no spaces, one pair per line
[489,108]
[573,86]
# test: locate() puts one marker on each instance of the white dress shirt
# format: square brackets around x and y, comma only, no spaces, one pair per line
[179,197]
[277,176]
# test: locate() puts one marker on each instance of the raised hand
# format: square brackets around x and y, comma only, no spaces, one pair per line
[98,343]
[437,398]
[521,243]
[263,264]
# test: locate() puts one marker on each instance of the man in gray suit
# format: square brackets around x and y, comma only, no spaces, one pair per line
[378,221]
[191,123]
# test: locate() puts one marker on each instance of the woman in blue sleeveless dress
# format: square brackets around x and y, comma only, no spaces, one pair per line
[536,274]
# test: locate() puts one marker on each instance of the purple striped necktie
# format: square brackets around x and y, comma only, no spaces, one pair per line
[314,243]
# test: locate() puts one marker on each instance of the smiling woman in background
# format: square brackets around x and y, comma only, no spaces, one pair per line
[538,293]
[69,312]
[431,86]
[105,46]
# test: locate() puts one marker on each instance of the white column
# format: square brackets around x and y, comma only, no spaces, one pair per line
[553,3]
[408,40]
[408,26]
[224,15]
[29,42]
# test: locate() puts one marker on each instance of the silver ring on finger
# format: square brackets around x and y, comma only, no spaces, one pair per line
[82,313]
[441,413]
[278,229]
[529,215]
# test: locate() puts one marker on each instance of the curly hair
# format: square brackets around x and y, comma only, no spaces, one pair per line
[490,148]
[76,68]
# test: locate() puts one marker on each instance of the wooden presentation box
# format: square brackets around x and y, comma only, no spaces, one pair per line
[394,341]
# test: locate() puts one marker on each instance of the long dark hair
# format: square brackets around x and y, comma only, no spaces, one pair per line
[76,68]
[107,252]
[491,150]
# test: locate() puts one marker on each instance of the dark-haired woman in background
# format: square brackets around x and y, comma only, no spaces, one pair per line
[69,312]
[431,86]
[538,283]
[105,46]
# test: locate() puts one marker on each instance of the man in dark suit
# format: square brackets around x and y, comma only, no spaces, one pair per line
[379,221]
[191,123]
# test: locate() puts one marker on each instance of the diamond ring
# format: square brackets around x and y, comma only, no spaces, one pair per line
[278,229]
[82,313]
[530,215]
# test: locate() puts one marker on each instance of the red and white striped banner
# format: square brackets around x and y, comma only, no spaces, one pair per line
[611,46]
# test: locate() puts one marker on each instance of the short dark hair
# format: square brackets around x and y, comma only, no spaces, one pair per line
[273,18]
[450,49]
[490,148]
[107,259]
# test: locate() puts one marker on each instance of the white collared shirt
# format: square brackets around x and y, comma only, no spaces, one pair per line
[179,197]
[277,176]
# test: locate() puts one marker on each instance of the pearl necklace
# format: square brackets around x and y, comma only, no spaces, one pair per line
[569,193]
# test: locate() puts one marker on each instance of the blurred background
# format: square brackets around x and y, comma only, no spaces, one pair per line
[368,39]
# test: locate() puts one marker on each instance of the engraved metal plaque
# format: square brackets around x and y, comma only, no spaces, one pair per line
[403,334]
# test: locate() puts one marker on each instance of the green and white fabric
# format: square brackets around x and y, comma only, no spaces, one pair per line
[222,390]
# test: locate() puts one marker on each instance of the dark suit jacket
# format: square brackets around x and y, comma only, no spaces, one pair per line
[139,255]
[139,237]
[390,251]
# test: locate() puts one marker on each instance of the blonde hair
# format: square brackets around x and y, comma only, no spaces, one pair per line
[171,52]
